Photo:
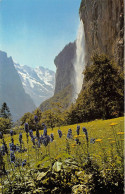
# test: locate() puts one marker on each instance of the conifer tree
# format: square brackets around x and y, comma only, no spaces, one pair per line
[5,111]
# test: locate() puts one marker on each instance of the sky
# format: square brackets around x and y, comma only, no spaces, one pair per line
[33,32]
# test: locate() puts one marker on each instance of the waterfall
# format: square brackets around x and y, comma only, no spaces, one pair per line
[79,61]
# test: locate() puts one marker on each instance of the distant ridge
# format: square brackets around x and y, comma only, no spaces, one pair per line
[11,89]
[38,82]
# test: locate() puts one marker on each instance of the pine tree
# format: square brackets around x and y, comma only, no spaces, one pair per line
[5,111]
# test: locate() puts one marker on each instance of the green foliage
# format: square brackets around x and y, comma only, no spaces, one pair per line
[106,86]
[63,97]
[29,118]
[49,118]
[4,124]
[103,93]
[5,118]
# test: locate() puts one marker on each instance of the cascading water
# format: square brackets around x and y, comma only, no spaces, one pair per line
[79,62]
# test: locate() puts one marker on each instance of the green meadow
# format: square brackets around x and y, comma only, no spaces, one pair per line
[95,166]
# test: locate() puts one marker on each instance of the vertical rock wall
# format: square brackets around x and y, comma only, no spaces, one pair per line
[104,28]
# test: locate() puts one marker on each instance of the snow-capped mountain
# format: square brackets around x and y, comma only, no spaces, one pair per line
[38,82]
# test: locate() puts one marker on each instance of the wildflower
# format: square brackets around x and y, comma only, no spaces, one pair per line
[4,148]
[12,140]
[98,140]
[26,127]
[78,129]
[45,131]
[20,138]
[60,133]
[12,147]
[39,143]
[112,142]
[31,133]
[73,144]
[1,135]
[113,124]
[69,135]
[36,119]
[120,133]
[92,140]
[51,137]
[11,132]
[33,140]
[12,157]
[46,140]
[76,136]
[37,133]
[86,133]
[110,138]
[23,163]
[77,141]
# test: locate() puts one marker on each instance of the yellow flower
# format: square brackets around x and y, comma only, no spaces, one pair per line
[113,124]
[112,141]
[98,140]
[120,133]
[73,144]
[109,138]
[76,136]
[80,135]
[108,169]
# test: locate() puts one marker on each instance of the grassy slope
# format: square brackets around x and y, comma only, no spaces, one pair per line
[64,96]
[42,157]
[96,129]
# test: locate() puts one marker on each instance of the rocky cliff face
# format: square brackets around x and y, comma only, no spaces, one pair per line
[11,89]
[64,64]
[104,27]
[63,79]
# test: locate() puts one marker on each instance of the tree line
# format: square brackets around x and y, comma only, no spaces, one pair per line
[102,97]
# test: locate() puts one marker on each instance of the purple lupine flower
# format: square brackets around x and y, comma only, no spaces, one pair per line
[36,118]
[33,140]
[86,133]
[12,157]
[60,133]
[12,147]
[41,139]
[69,135]
[45,131]
[92,140]
[11,132]
[43,124]
[77,141]
[26,127]
[12,140]
[31,133]
[4,148]
[39,143]
[20,138]
[37,133]
[51,137]
[1,135]
[23,163]
[46,140]
[78,129]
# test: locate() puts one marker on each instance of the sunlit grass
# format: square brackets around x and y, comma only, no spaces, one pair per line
[104,150]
